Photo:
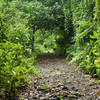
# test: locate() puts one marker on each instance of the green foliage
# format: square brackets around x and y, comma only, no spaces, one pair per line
[86,37]
[58,26]
[17,61]
[45,44]
[13,70]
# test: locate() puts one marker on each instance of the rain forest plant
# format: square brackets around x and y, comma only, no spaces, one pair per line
[13,70]
[28,27]
[87,36]
[16,59]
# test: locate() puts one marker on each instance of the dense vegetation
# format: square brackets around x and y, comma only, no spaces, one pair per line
[86,19]
[28,27]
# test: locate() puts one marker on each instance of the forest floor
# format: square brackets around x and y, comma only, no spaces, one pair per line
[59,81]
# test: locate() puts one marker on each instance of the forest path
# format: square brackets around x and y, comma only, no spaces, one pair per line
[60,81]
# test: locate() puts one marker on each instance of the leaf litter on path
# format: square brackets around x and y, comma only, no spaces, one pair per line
[60,81]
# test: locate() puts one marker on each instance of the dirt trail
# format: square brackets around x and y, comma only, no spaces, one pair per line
[60,81]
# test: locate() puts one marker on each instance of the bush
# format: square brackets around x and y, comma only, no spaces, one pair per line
[14,70]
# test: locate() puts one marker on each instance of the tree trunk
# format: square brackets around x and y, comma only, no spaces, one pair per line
[32,43]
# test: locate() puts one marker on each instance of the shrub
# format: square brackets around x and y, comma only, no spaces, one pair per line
[14,69]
